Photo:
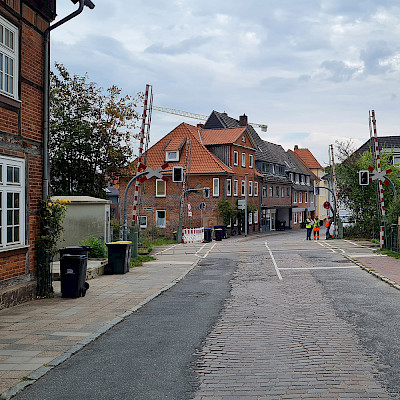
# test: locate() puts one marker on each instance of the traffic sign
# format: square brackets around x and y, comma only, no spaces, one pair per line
[241,204]
[327,205]
[374,174]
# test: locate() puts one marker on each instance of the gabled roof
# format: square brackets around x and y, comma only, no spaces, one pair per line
[384,142]
[218,120]
[301,166]
[307,157]
[224,136]
[202,160]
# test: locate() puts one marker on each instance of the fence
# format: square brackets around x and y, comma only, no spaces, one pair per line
[193,235]
[392,237]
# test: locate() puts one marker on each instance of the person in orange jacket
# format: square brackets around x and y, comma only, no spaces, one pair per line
[316,228]
[328,227]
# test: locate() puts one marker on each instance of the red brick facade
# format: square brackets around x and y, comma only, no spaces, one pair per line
[21,117]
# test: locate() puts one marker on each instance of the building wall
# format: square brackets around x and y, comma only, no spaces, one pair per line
[21,130]
[299,214]
[323,194]
[170,203]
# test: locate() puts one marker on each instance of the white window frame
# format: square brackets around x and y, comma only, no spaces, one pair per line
[165,188]
[250,218]
[229,187]
[9,55]
[243,188]
[243,160]
[158,225]
[294,197]
[300,200]
[17,213]
[215,187]
[283,193]
[295,218]
[256,217]
[277,192]
[300,217]
[271,191]
[236,158]
[251,188]
[251,160]
[306,197]
[173,174]
[142,218]
[255,189]
[169,155]
[235,187]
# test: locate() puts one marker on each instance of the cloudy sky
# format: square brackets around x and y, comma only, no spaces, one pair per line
[309,69]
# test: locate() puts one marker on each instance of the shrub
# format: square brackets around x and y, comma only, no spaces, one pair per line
[98,247]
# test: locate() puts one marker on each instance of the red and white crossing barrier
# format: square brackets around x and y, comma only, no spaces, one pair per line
[193,235]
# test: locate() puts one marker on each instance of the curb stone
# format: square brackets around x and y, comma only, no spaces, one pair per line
[40,372]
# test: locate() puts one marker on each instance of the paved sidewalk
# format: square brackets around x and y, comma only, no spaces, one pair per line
[36,336]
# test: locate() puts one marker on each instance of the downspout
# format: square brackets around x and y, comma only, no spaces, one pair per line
[46,90]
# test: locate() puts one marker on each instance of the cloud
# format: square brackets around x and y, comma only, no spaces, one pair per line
[183,47]
[339,71]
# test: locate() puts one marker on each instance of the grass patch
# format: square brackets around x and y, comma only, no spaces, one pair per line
[387,252]
[26,378]
[140,259]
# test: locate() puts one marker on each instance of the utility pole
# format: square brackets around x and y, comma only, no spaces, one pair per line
[380,187]
[335,216]
[245,204]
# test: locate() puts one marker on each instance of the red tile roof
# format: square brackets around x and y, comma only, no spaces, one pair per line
[307,157]
[221,136]
[202,161]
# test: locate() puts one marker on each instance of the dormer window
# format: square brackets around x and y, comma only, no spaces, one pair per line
[243,139]
[172,156]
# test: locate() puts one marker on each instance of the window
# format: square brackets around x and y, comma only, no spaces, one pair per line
[161,218]
[251,157]
[235,187]
[294,197]
[243,159]
[177,174]
[283,193]
[306,197]
[301,217]
[264,192]
[8,58]
[255,189]
[295,217]
[316,190]
[287,192]
[281,170]
[307,180]
[250,188]
[266,168]
[312,198]
[273,168]
[235,158]
[302,179]
[243,188]
[143,221]
[250,215]
[291,176]
[12,201]
[256,217]
[215,187]
[229,187]
[277,192]
[297,178]
[300,197]
[172,156]
[161,188]
[271,191]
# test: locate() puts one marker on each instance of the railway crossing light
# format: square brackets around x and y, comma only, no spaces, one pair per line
[363,178]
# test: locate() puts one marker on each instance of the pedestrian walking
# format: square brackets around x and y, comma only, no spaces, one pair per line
[309,225]
[316,227]
[328,227]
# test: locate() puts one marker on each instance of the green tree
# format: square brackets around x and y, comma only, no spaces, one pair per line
[363,201]
[91,134]
[226,211]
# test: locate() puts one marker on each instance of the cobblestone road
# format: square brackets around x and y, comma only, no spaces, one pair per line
[281,339]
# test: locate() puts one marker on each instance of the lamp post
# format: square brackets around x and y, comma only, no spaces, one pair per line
[46,90]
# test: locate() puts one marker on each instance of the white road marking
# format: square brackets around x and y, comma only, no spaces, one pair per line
[205,255]
[169,248]
[273,260]
[355,244]
[308,268]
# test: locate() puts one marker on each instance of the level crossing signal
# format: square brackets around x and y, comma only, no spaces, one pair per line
[363,178]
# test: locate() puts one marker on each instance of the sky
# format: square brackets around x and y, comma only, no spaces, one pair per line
[310,70]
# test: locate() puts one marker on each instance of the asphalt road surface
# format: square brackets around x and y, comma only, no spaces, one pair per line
[263,317]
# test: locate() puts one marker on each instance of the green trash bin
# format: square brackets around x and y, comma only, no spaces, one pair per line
[119,257]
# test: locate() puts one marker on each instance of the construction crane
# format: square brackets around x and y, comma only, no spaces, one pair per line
[200,116]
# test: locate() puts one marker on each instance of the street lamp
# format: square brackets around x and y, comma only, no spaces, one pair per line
[46,90]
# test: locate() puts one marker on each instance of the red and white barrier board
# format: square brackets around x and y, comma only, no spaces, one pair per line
[193,235]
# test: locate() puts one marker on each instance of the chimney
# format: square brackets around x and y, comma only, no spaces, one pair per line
[296,147]
[243,120]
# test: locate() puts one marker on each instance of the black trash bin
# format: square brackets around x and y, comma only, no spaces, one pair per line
[73,275]
[224,230]
[218,234]
[119,257]
[207,234]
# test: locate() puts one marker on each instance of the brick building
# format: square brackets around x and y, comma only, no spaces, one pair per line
[22,25]
[220,159]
